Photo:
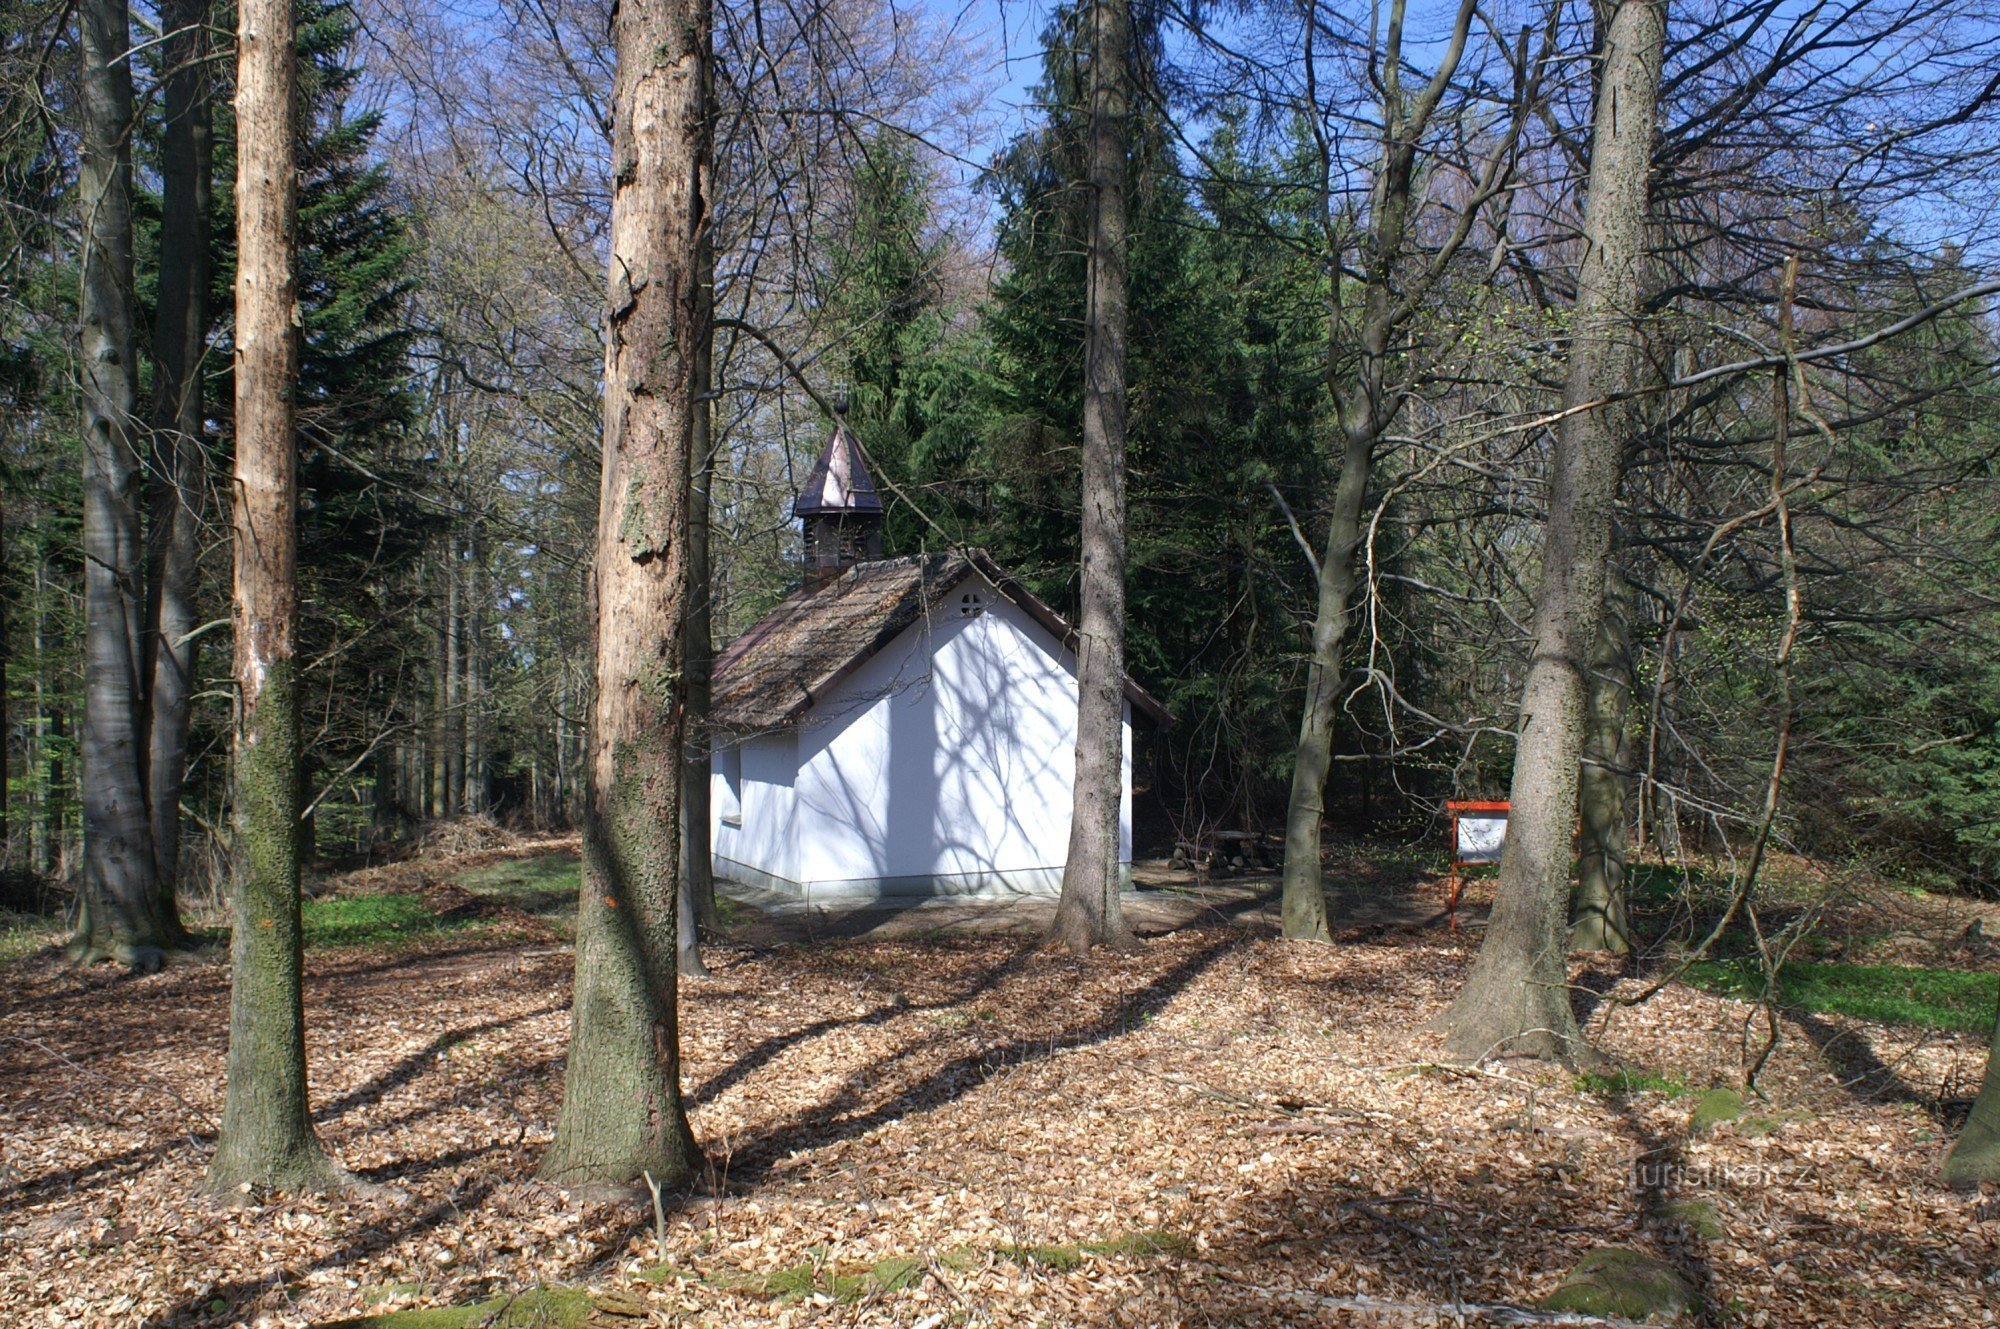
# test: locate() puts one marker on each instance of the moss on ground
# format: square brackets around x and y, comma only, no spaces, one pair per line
[537,1308]
[1887,993]
[818,1277]
[1715,1107]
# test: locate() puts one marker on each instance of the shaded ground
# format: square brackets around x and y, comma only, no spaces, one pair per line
[1219,1129]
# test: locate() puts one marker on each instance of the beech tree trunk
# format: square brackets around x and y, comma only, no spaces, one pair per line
[1975,1155]
[1603,910]
[698,914]
[1091,910]
[121,915]
[267,1138]
[622,1116]
[180,334]
[1516,1000]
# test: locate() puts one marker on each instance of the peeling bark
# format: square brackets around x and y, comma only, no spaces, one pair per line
[622,1115]
[267,1137]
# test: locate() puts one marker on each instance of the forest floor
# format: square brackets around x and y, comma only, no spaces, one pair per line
[910,1123]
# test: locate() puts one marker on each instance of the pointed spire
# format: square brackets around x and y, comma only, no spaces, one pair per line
[840,507]
[839,481]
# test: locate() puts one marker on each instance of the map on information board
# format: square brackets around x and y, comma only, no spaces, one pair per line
[1481,836]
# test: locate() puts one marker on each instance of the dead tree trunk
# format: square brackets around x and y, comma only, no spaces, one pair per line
[697,884]
[1516,999]
[180,335]
[622,1116]
[1603,910]
[267,1137]
[121,914]
[1091,911]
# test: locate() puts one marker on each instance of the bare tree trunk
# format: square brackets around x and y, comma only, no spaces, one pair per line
[453,701]
[1975,1155]
[1091,911]
[474,795]
[121,915]
[1304,899]
[622,1116]
[180,333]
[1603,912]
[267,1138]
[698,914]
[1516,999]
[1367,406]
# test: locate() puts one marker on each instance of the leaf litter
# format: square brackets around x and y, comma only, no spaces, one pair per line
[1217,1129]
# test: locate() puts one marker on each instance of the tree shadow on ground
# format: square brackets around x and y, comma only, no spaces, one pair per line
[770,1049]
[847,1114]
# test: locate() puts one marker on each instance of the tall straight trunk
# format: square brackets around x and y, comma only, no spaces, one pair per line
[47,849]
[474,795]
[6,733]
[266,1138]
[1603,911]
[622,1116]
[1975,1155]
[122,915]
[452,702]
[1516,1000]
[180,332]
[698,912]
[1091,911]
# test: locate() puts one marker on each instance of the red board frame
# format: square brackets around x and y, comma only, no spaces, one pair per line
[1456,807]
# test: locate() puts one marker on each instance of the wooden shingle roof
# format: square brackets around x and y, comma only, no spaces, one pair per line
[811,640]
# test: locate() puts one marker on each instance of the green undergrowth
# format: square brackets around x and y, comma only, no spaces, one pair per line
[547,885]
[1625,1080]
[1886,993]
[24,934]
[374,920]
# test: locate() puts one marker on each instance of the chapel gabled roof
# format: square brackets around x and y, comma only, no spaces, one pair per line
[795,655]
[839,480]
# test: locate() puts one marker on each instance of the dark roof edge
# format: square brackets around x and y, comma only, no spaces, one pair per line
[977,560]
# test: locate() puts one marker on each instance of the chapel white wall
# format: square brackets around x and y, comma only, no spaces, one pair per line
[949,754]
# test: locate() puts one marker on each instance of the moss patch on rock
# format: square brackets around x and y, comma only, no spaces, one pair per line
[1613,1280]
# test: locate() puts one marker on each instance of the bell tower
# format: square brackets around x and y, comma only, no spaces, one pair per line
[840,507]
